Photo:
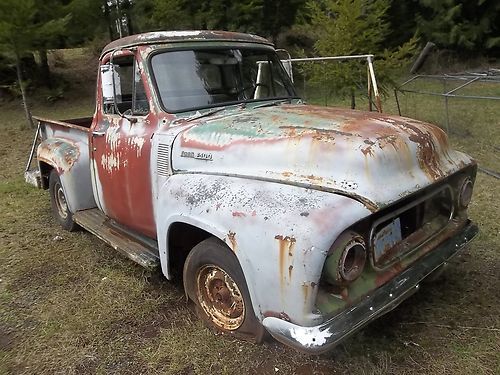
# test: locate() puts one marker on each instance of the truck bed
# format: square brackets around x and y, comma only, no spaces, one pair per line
[74,133]
[82,123]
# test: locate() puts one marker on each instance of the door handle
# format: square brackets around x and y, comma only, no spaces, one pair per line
[99,133]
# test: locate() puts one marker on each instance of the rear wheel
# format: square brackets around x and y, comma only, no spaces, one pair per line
[214,281]
[59,204]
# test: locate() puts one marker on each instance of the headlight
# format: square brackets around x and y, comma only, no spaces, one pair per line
[346,260]
[465,192]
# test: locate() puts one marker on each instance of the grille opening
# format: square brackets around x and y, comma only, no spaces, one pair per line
[405,229]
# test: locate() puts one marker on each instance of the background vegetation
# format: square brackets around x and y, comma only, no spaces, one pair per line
[389,29]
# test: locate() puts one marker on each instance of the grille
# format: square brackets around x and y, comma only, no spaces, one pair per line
[163,161]
[405,229]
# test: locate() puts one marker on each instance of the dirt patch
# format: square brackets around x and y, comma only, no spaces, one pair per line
[6,339]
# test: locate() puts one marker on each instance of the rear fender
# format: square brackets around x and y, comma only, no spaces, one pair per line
[71,161]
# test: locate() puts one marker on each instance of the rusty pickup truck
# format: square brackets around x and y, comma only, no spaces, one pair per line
[298,221]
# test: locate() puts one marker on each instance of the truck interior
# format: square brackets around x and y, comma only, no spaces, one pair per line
[194,79]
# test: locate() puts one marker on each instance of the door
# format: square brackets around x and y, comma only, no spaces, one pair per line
[121,146]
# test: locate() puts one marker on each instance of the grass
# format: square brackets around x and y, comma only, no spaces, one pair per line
[70,304]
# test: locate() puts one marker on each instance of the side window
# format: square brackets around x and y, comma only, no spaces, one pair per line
[121,84]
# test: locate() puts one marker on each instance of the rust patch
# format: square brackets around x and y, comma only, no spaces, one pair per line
[427,154]
[238,214]
[367,151]
[158,37]
[344,293]
[274,314]
[286,247]
[231,237]
[316,133]
[61,152]
[305,291]
[384,277]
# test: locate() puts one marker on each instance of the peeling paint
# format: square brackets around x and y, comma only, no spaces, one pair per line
[59,152]
[311,337]
[273,144]
[231,236]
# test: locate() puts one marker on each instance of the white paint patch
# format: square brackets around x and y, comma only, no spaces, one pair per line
[168,34]
[310,337]
[137,143]
[113,137]
[110,162]
[97,187]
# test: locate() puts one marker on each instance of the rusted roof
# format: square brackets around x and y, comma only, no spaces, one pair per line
[183,36]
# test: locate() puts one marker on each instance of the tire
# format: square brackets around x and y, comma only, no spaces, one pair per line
[60,208]
[214,281]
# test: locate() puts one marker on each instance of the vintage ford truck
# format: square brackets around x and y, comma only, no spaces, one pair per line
[300,221]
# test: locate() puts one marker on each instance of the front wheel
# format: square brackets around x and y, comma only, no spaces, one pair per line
[59,204]
[214,281]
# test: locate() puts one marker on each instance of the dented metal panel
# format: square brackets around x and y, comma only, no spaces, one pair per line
[322,337]
[353,153]
[161,37]
[279,233]
[65,148]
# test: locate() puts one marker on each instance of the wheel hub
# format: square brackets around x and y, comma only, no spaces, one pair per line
[60,199]
[220,297]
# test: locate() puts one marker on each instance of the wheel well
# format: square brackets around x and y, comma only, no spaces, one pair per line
[45,170]
[182,238]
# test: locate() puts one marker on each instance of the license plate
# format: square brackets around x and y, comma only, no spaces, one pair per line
[386,238]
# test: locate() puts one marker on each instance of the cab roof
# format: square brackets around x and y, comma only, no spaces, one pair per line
[182,36]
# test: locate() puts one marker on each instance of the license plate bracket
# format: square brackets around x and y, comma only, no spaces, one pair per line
[386,238]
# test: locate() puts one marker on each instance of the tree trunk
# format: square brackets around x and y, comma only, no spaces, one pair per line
[44,68]
[119,20]
[108,20]
[27,111]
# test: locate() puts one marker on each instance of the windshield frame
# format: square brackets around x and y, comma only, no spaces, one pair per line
[265,48]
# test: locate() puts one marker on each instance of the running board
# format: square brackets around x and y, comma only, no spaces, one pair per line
[141,252]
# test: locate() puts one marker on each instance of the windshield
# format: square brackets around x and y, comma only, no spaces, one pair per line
[201,78]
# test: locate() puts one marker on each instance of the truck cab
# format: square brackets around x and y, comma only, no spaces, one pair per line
[300,221]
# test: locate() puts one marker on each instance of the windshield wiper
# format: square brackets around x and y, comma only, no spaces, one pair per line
[199,115]
[275,102]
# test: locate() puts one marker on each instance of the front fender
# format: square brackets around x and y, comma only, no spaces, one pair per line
[71,161]
[280,233]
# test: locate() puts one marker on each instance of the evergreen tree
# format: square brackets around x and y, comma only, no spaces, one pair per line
[278,15]
[352,27]
[21,32]
[463,25]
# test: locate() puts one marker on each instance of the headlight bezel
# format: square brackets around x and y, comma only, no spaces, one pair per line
[346,259]
[465,192]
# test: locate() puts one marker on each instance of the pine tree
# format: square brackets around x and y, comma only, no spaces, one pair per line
[21,33]
[352,27]
[463,25]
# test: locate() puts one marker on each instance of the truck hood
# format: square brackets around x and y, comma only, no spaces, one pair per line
[374,158]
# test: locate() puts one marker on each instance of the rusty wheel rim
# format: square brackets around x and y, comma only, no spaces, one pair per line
[220,297]
[60,199]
